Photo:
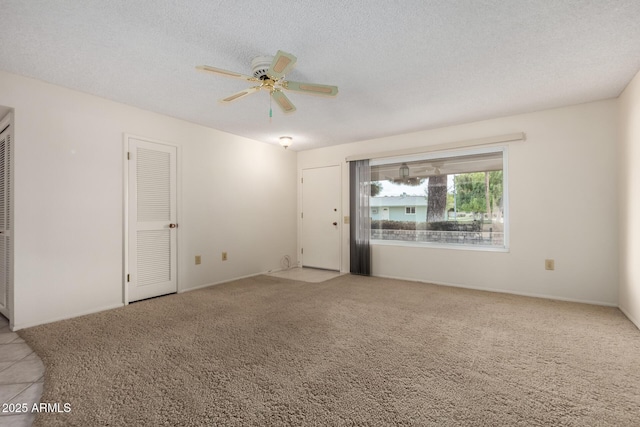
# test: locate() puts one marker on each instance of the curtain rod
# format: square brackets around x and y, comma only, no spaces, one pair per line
[511,137]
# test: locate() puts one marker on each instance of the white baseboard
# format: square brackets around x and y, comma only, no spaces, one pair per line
[505,291]
[224,281]
[65,317]
[630,317]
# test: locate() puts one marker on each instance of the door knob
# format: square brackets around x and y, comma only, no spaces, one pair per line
[173,225]
[335,223]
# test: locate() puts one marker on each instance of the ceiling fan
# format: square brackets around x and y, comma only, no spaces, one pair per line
[269,72]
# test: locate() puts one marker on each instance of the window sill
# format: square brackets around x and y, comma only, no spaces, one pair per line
[454,246]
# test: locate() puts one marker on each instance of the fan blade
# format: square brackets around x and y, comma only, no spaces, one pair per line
[240,94]
[282,63]
[282,100]
[313,88]
[226,73]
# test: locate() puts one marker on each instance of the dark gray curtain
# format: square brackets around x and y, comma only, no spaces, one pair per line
[359,193]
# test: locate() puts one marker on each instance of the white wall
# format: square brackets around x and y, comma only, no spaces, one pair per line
[629,294]
[238,195]
[563,205]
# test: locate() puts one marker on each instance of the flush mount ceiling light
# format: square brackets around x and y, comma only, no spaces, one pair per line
[286,141]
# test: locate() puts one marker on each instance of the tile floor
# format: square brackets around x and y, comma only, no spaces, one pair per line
[305,274]
[21,377]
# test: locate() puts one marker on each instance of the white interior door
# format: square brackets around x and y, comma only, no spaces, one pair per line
[321,218]
[5,216]
[152,219]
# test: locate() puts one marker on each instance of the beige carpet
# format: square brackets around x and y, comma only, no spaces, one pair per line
[267,351]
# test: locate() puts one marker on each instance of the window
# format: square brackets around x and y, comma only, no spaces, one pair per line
[458,199]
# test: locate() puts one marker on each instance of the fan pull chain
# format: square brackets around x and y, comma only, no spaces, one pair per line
[270,110]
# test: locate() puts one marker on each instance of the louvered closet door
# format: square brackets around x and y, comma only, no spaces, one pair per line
[152,220]
[5,219]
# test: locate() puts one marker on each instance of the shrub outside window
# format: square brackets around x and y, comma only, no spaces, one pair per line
[453,199]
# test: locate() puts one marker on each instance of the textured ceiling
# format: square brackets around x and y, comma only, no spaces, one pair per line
[401,66]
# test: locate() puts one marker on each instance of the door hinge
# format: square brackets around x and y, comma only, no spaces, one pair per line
[128,277]
[301,214]
[128,155]
[301,180]
[302,250]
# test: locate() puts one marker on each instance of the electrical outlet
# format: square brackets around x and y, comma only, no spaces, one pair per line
[549,264]
[224,256]
[198,259]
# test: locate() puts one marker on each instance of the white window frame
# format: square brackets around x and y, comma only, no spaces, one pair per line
[434,155]
[408,209]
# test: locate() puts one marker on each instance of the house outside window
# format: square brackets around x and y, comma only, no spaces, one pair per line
[453,199]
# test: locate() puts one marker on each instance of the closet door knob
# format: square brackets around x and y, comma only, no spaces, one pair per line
[173,225]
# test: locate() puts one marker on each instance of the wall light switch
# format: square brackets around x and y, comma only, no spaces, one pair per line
[549,264]
[346,220]
[198,259]
[224,256]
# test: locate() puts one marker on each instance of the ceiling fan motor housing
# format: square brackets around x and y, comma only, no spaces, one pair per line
[260,66]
